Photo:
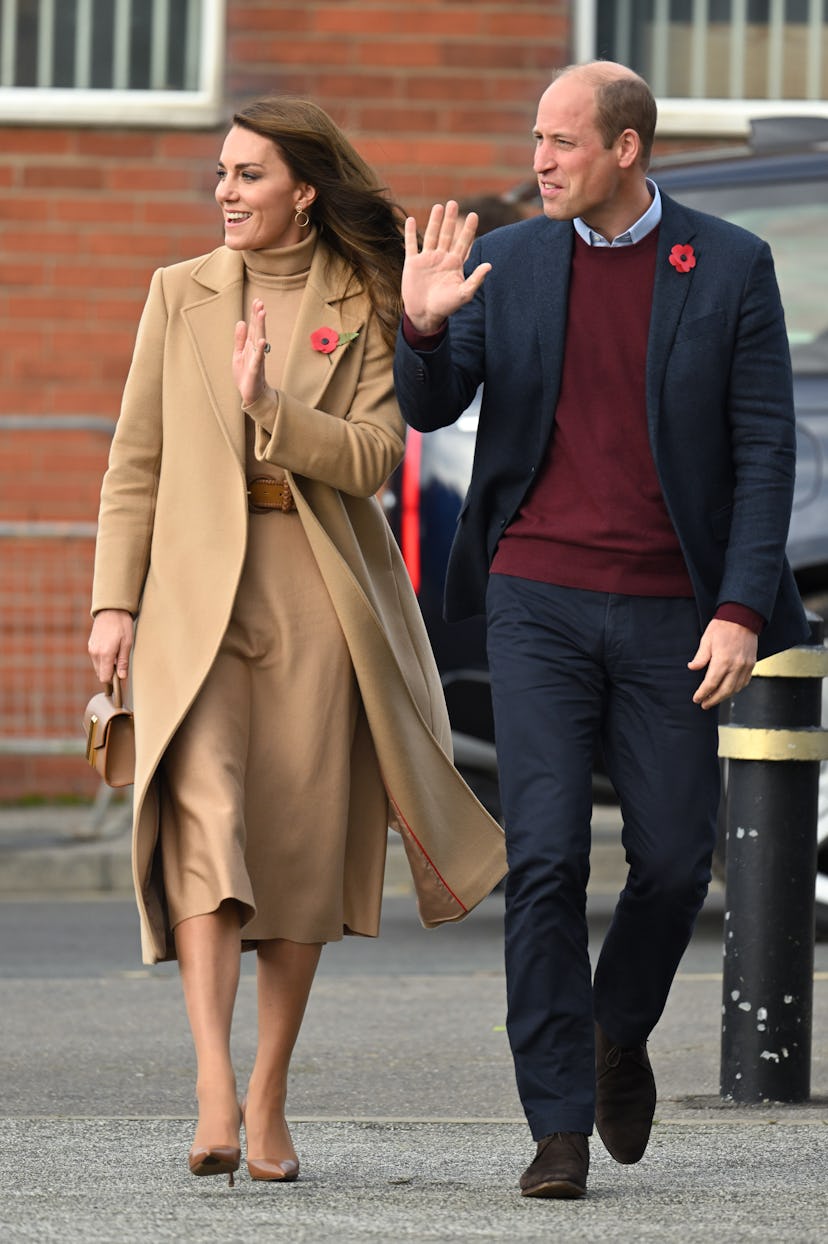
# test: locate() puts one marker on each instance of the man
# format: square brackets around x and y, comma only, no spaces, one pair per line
[624,531]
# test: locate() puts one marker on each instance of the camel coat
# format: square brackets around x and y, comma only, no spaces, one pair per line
[171,545]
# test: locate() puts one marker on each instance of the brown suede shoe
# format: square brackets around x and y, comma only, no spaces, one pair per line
[560,1167]
[625,1097]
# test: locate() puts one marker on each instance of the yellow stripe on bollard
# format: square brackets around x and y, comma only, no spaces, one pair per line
[755,743]
[794,663]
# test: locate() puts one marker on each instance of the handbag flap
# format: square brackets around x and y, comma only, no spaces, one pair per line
[110,738]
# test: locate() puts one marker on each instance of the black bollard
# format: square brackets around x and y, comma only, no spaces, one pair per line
[773,744]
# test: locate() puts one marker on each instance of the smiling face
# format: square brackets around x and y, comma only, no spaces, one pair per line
[257,193]
[577,175]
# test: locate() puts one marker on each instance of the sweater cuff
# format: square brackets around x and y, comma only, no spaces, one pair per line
[421,341]
[264,410]
[741,615]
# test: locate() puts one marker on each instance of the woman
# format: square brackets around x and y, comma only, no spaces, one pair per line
[286,701]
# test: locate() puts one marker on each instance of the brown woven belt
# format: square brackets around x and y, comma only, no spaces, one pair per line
[265,494]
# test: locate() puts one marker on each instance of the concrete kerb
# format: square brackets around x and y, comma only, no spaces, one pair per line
[54,849]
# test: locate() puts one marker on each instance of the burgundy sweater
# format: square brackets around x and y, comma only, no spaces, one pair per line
[595,518]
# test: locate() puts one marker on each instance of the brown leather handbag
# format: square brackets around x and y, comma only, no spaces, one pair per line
[110,735]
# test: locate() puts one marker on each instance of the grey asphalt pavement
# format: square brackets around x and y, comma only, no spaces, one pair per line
[402,1100]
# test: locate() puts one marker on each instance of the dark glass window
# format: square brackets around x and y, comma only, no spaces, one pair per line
[139,45]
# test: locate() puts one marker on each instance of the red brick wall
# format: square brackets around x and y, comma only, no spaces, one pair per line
[438,94]
[86,217]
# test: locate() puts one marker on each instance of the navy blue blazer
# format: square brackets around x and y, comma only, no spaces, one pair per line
[719,406]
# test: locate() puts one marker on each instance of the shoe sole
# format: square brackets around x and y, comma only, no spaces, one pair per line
[558,1189]
[214,1166]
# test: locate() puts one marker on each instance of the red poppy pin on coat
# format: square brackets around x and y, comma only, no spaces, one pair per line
[326,340]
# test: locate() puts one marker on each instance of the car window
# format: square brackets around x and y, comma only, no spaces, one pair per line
[793,218]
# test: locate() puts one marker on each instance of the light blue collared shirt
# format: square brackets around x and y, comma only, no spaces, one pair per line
[636,233]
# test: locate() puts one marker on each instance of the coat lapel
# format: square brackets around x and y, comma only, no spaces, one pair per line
[328,302]
[670,290]
[211,322]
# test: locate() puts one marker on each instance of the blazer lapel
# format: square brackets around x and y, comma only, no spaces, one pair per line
[211,324]
[670,290]
[551,262]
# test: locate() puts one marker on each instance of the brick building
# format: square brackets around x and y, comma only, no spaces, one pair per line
[110,126]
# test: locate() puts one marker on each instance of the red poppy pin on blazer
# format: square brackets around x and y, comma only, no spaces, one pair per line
[683,258]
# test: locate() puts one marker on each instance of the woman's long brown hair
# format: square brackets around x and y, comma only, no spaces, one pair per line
[353,212]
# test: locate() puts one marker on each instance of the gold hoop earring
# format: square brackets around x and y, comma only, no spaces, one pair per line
[303,224]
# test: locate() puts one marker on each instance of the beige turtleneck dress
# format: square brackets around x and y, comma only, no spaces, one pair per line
[255,785]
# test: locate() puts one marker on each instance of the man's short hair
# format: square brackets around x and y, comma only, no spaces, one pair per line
[623,101]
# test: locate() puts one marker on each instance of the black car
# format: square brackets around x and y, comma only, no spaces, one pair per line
[776,186]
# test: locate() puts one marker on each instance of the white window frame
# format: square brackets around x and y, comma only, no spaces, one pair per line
[202,108]
[714,117]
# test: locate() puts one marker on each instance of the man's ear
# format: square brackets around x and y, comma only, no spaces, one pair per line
[628,147]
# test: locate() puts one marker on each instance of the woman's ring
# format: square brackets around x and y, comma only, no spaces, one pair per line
[267,347]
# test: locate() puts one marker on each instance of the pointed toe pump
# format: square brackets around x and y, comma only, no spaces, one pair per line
[215,1160]
[271,1170]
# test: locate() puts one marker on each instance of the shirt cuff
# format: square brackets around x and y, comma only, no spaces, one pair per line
[421,341]
[740,614]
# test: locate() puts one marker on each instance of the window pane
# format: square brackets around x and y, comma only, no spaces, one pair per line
[139,45]
[63,72]
[103,41]
[26,59]
[178,42]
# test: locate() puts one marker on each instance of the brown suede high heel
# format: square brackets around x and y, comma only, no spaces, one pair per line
[271,1170]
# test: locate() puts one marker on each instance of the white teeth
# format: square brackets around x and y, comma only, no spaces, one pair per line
[234,217]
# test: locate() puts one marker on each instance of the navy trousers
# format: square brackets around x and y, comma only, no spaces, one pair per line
[570,668]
